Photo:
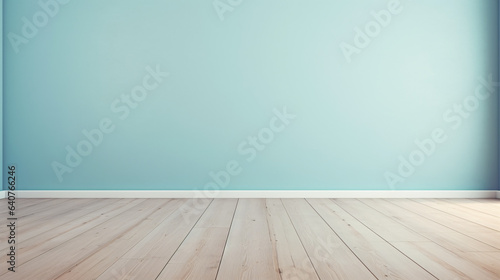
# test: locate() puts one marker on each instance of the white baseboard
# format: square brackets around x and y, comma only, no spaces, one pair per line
[254,194]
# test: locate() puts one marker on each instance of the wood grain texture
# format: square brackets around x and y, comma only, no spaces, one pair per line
[148,257]
[45,219]
[200,254]
[475,230]
[60,258]
[383,225]
[330,256]
[293,261]
[26,203]
[442,235]
[34,215]
[486,220]
[229,239]
[487,260]
[380,257]
[442,263]
[249,252]
[43,242]
[93,266]
[482,205]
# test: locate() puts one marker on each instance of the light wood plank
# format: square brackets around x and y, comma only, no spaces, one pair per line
[384,226]
[267,239]
[293,261]
[486,260]
[464,213]
[147,258]
[446,237]
[36,246]
[381,258]
[200,254]
[491,203]
[134,269]
[486,206]
[30,214]
[93,266]
[443,263]
[24,203]
[37,223]
[40,208]
[219,214]
[458,224]
[54,262]
[331,258]
[249,253]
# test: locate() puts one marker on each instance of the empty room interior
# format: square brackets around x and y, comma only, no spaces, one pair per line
[255,140]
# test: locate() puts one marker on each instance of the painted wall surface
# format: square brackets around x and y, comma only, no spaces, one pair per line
[252,95]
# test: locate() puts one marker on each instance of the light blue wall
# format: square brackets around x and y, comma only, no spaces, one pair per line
[353,119]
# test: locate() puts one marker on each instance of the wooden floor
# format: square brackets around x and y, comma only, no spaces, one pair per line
[255,239]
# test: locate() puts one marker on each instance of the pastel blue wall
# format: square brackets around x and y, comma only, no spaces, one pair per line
[360,103]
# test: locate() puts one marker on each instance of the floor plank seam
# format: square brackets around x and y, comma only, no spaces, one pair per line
[392,245]
[227,237]
[468,220]
[468,207]
[300,239]
[113,240]
[180,244]
[63,243]
[449,226]
[269,234]
[348,247]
